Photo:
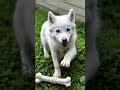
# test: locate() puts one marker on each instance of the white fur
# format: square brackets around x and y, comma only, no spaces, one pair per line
[50,38]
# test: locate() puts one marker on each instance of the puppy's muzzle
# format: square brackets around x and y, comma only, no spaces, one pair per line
[64,42]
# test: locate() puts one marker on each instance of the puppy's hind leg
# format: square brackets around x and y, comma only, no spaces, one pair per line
[46,53]
[45,45]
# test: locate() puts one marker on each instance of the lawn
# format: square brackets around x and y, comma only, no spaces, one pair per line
[45,66]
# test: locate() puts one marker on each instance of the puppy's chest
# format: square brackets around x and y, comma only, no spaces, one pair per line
[62,50]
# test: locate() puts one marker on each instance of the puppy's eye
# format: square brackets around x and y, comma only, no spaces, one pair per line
[68,29]
[58,31]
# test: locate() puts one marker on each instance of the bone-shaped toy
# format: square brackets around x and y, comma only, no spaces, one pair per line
[66,81]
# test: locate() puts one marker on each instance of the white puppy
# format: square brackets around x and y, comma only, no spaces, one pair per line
[59,34]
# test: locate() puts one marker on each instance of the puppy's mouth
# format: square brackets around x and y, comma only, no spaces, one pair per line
[64,44]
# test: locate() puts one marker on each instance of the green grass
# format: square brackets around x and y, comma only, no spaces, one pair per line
[45,66]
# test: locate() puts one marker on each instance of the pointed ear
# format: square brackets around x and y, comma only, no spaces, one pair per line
[71,15]
[51,17]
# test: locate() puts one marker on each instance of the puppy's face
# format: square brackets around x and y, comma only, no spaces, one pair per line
[62,27]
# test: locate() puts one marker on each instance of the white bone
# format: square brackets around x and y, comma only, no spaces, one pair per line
[66,81]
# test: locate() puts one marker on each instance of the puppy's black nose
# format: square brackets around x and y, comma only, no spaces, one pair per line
[64,40]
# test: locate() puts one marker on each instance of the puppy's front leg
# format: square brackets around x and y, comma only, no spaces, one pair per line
[57,72]
[68,57]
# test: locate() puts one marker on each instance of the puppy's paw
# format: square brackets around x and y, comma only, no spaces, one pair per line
[65,63]
[57,74]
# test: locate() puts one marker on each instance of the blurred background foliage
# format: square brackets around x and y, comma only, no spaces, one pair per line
[108,45]
[11,77]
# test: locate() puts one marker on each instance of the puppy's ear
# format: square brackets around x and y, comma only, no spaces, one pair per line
[71,15]
[51,18]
